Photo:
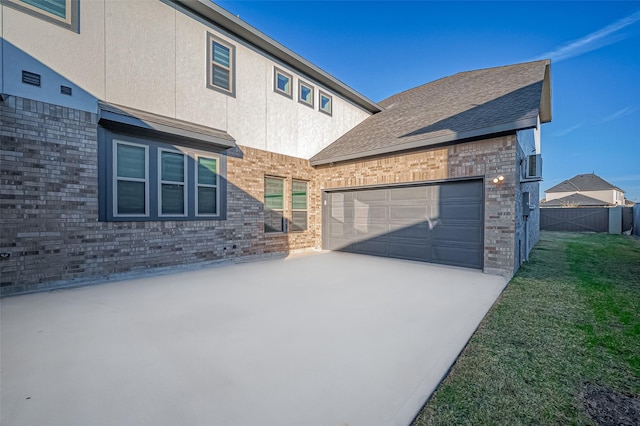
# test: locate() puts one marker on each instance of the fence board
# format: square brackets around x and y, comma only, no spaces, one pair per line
[627,218]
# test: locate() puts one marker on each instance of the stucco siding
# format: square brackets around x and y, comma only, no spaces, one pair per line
[140,59]
[152,55]
[79,58]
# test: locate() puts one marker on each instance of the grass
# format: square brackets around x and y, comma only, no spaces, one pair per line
[569,317]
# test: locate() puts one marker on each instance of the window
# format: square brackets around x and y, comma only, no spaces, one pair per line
[305,94]
[282,83]
[131,175]
[142,179]
[207,183]
[325,103]
[220,65]
[273,204]
[173,194]
[298,205]
[60,12]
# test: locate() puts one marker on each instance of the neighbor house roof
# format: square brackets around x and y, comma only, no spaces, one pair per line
[586,182]
[575,200]
[460,107]
[238,27]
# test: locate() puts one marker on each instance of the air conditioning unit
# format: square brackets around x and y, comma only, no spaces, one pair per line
[533,167]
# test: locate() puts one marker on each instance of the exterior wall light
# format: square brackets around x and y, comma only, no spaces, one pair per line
[498,179]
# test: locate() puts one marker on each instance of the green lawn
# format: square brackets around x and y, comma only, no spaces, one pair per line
[568,323]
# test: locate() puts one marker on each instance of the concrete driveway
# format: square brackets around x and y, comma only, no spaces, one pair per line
[324,339]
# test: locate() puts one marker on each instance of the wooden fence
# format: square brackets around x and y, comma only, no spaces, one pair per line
[614,220]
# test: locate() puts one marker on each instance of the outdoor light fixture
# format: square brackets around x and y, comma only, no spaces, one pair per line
[498,179]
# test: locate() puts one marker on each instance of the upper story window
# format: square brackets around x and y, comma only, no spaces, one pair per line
[325,103]
[220,65]
[282,82]
[59,12]
[305,94]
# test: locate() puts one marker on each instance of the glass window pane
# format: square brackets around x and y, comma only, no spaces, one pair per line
[299,221]
[172,199]
[274,193]
[305,94]
[221,78]
[131,197]
[283,83]
[207,168]
[325,103]
[273,221]
[131,161]
[207,200]
[55,7]
[299,195]
[172,165]
[221,54]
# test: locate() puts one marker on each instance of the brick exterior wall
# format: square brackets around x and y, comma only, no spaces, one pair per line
[486,158]
[49,207]
[527,230]
[49,202]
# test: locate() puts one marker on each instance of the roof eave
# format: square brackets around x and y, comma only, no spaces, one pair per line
[245,31]
[545,97]
[526,123]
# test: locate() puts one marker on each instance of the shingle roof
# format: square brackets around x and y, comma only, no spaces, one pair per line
[465,105]
[575,200]
[586,182]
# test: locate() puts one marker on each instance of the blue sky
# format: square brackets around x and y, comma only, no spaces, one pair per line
[380,48]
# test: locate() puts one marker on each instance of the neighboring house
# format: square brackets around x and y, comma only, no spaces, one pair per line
[588,190]
[155,133]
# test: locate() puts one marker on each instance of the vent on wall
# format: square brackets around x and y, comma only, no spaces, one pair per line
[65,90]
[31,78]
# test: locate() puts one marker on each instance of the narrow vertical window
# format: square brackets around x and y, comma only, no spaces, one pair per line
[305,94]
[282,83]
[207,186]
[131,186]
[325,103]
[273,204]
[221,64]
[298,205]
[173,196]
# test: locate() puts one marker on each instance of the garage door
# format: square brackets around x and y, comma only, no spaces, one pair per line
[439,223]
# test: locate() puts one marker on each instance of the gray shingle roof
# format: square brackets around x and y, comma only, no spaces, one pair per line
[586,182]
[462,106]
[575,200]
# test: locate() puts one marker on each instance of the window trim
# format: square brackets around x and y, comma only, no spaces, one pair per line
[211,38]
[302,84]
[197,184]
[70,22]
[306,210]
[328,96]
[276,89]
[114,179]
[183,183]
[282,211]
